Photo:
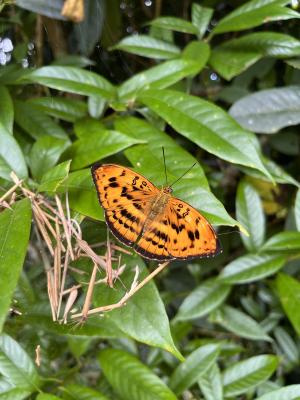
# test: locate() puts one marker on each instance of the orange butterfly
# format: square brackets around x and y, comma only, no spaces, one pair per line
[157,225]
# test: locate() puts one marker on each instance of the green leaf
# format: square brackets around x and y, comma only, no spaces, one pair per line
[144,317]
[168,72]
[74,80]
[249,212]
[14,223]
[286,242]
[206,125]
[239,323]
[147,46]
[11,156]
[211,384]
[195,366]
[267,111]
[289,294]
[97,146]
[131,379]
[44,154]
[52,179]
[147,159]
[202,300]
[35,122]
[96,106]
[16,366]
[255,13]
[291,392]
[236,55]
[174,24]
[297,210]
[6,109]
[80,392]
[46,396]
[287,344]
[60,107]
[201,17]
[251,268]
[247,374]
[294,63]
[10,392]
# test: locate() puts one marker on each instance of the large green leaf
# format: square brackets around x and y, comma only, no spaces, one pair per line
[239,323]
[206,125]
[195,366]
[46,396]
[254,13]
[211,384]
[131,379]
[291,392]
[251,268]
[6,109]
[149,161]
[286,242]
[267,111]
[35,122]
[202,300]
[234,56]
[174,24]
[80,392]
[147,46]
[249,212]
[200,18]
[247,374]
[144,317]
[74,80]
[15,226]
[60,107]
[166,74]
[45,153]
[297,210]
[289,294]
[11,156]
[52,179]
[97,146]
[16,365]
[11,392]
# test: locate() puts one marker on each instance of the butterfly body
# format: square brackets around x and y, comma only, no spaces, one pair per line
[157,225]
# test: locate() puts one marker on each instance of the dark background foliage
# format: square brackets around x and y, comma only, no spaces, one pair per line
[215,83]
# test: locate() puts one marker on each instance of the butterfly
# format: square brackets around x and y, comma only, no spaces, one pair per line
[155,224]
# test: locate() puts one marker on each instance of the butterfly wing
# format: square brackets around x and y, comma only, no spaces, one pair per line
[181,232]
[126,197]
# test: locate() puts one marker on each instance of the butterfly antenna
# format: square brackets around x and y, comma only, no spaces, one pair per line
[163,151]
[183,175]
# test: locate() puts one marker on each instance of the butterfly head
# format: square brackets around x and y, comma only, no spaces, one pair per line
[167,190]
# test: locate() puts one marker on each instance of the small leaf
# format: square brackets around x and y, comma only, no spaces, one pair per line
[195,366]
[287,344]
[52,179]
[289,295]
[211,384]
[16,365]
[14,223]
[96,106]
[148,46]
[80,392]
[251,268]
[291,392]
[35,122]
[239,323]
[60,107]
[74,80]
[236,55]
[297,210]
[201,17]
[267,111]
[206,125]
[11,156]
[45,153]
[249,212]
[202,300]
[287,242]
[254,13]
[131,379]
[174,24]
[97,146]
[247,374]
[6,109]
